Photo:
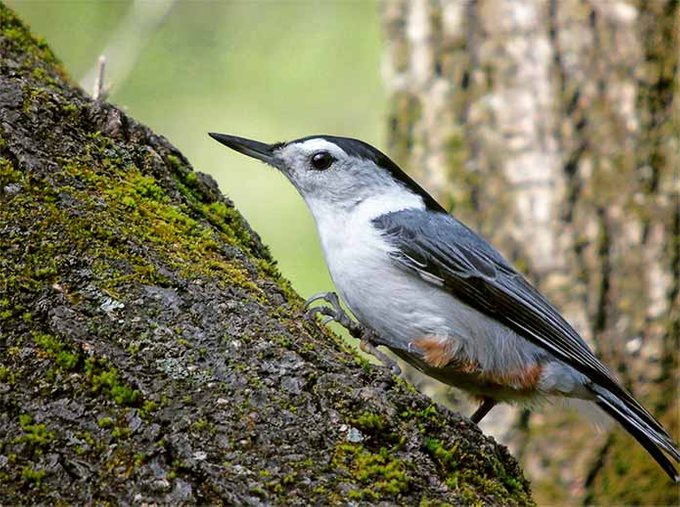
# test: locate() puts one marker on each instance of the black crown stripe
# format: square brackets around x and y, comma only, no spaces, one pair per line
[360,149]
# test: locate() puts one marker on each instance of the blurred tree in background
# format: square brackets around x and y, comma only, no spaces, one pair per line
[552,127]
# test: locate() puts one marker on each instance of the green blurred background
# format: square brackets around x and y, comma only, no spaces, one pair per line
[270,70]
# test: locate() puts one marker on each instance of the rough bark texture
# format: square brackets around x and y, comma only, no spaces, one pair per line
[150,352]
[552,127]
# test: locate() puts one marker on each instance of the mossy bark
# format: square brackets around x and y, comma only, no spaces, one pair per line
[150,351]
[552,127]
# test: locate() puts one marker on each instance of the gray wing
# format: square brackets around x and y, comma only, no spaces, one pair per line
[445,252]
[442,250]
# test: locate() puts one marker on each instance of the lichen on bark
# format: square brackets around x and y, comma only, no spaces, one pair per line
[151,352]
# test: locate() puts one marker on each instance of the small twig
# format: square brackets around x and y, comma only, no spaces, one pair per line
[98,92]
[126,45]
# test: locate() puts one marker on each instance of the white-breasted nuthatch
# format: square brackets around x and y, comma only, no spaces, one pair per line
[437,294]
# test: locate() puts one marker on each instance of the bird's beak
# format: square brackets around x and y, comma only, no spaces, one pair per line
[255,149]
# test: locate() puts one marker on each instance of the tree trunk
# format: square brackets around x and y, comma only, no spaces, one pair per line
[551,127]
[150,351]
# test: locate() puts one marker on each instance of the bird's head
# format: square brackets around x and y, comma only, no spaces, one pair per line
[335,173]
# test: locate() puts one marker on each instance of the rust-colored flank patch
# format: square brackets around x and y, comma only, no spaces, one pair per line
[438,353]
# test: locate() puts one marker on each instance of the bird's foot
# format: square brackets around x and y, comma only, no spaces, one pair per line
[368,347]
[333,311]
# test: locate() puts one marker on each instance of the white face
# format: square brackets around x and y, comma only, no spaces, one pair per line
[323,173]
[337,176]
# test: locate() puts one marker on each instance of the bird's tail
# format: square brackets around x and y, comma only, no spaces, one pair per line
[641,425]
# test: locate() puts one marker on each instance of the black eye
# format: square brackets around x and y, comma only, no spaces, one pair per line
[322,160]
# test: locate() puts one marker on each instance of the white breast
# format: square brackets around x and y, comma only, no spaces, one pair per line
[402,307]
[399,305]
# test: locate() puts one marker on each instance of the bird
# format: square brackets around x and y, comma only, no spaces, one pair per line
[437,294]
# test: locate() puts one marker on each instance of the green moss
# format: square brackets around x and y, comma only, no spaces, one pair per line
[228,220]
[35,435]
[191,179]
[201,425]
[447,457]
[476,474]
[40,74]
[279,486]
[140,458]
[30,474]
[364,363]
[380,472]
[370,422]
[101,377]
[7,173]
[189,246]
[23,47]
[148,408]
[69,109]
[406,385]
[128,202]
[55,349]
[424,417]
[470,473]
[283,341]
[105,379]
[174,162]
[35,98]
[121,432]
[67,360]
[187,238]
[105,422]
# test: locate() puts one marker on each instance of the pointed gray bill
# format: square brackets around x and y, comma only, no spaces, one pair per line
[255,149]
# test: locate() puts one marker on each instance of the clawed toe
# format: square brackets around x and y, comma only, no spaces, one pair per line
[325,296]
[334,312]
[331,312]
[311,314]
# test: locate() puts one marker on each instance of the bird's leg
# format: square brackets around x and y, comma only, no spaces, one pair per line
[369,340]
[484,408]
[334,312]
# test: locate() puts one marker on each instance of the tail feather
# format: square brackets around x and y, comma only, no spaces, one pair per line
[642,426]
